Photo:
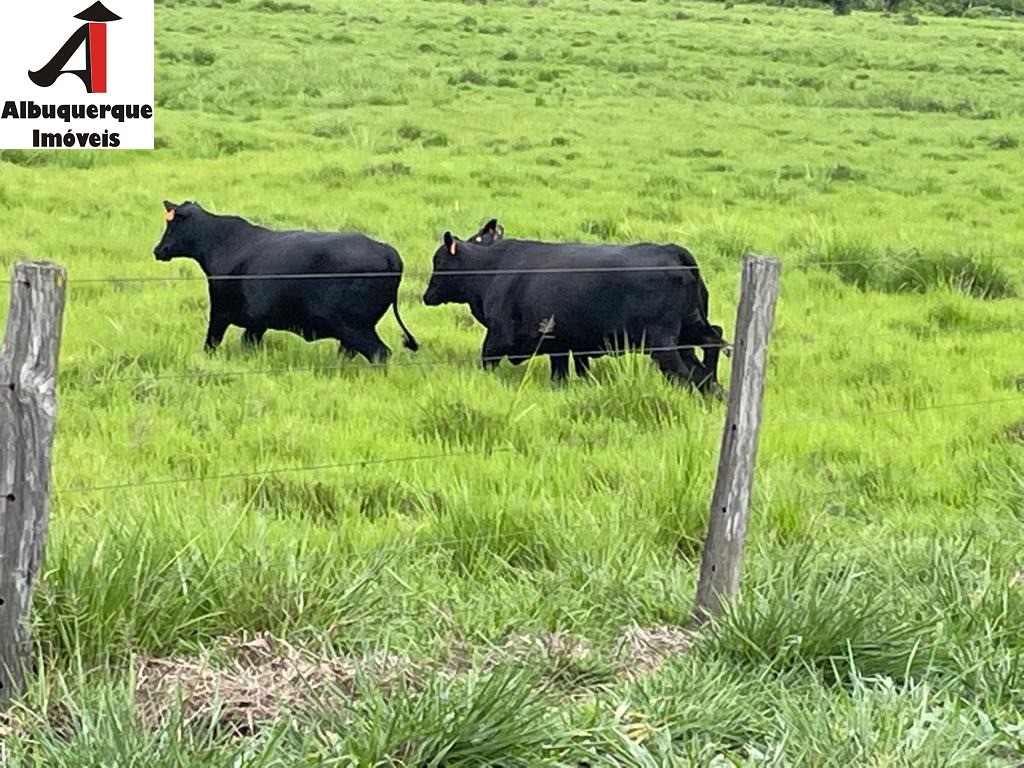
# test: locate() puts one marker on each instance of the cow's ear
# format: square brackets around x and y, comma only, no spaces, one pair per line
[449,243]
[495,229]
[169,206]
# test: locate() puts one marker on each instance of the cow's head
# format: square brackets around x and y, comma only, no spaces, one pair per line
[181,231]
[444,289]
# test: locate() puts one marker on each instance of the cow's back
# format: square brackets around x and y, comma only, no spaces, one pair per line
[586,293]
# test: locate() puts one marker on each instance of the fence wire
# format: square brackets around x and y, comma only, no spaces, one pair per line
[498,449]
[469,365]
[258,562]
[825,419]
[419,273]
[814,339]
[349,464]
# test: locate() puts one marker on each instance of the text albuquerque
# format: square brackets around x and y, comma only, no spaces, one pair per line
[29,110]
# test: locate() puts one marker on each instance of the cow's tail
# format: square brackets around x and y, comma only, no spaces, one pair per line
[408,340]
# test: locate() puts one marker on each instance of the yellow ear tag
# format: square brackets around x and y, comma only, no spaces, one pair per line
[169,216]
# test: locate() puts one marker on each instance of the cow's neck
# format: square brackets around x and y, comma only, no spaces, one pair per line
[474,286]
[222,239]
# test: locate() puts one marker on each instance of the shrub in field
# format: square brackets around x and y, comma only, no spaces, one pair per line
[460,424]
[202,57]
[313,501]
[913,271]
[274,6]
[476,540]
[500,718]
[831,618]
[1005,141]
[27,158]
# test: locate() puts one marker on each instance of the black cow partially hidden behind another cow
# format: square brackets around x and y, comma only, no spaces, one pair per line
[586,300]
[243,262]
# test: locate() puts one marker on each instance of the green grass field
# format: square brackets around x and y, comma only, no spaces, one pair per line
[514,594]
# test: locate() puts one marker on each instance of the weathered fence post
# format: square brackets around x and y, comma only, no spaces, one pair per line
[28,405]
[730,505]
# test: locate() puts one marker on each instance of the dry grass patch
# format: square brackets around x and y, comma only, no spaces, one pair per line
[642,650]
[250,684]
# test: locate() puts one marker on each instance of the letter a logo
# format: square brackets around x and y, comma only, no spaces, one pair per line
[93,35]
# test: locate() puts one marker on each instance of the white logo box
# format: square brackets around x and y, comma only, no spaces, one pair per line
[77,76]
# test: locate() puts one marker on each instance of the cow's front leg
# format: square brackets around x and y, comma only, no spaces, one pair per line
[559,367]
[215,331]
[253,337]
[489,354]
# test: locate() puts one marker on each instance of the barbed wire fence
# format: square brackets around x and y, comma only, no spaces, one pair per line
[27,421]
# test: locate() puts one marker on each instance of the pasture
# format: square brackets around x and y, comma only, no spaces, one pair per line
[437,565]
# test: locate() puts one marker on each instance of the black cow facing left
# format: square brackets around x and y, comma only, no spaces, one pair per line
[562,299]
[241,261]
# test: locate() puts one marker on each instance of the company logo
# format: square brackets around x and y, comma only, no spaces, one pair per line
[110,54]
[94,37]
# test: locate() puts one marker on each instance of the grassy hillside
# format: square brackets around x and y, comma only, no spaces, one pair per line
[453,567]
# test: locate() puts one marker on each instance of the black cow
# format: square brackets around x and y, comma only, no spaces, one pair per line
[241,260]
[586,300]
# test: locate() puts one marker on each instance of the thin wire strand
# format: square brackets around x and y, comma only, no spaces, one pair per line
[351,464]
[819,339]
[799,265]
[393,548]
[400,364]
[254,561]
[368,462]
[113,280]
[437,456]
[410,273]
[825,419]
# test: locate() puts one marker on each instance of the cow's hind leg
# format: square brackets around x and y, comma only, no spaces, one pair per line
[490,354]
[365,342]
[253,337]
[346,351]
[678,368]
[559,367]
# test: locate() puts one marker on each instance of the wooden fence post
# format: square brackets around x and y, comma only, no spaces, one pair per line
[730,506]
[28,408]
